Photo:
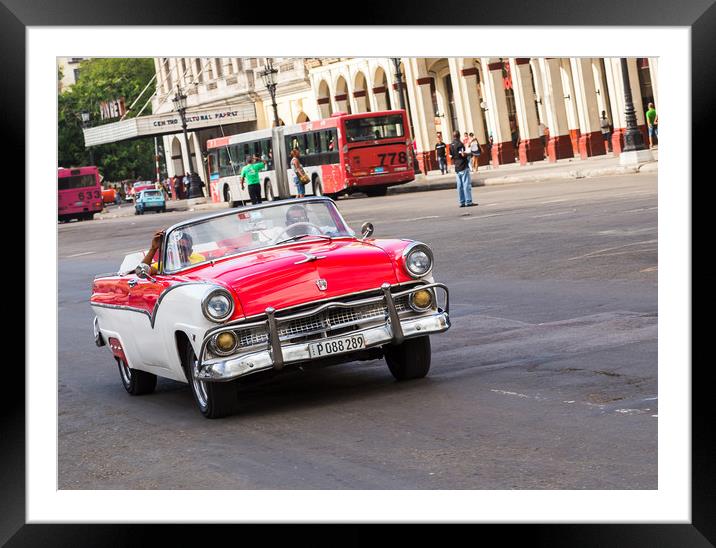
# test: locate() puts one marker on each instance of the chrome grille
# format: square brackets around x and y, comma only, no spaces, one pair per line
[252,337]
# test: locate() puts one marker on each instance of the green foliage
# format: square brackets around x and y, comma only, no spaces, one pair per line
[103,80]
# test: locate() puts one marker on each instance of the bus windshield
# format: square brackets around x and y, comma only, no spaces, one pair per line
[374,128]
[76,181]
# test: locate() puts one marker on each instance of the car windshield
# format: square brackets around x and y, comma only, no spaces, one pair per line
[237,232]
[151,193]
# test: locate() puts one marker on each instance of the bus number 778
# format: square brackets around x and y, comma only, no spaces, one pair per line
[402,158]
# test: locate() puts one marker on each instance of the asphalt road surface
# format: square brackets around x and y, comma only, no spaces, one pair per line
[546,380]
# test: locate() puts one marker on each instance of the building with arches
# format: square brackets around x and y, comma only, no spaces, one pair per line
[520,109]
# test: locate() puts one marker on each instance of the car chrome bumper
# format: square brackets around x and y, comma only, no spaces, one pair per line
[238,366]
[277,353]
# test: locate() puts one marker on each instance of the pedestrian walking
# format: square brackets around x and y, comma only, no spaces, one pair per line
[490,142]
[474,152]
[652,120]
[250,174]
[542,130]
[459,156]
[466,140]
[299,175]
[606,128]
[440,154]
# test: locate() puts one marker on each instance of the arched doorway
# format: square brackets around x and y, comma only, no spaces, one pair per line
[360,93]
[343,103]
[324,100]
[177,159]
[381,91]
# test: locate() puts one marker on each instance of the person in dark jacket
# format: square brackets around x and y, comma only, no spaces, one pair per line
[459,157]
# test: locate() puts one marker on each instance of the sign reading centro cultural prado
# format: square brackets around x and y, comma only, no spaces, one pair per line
[170,122]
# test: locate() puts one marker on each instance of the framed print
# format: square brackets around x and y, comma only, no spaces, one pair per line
[481,195]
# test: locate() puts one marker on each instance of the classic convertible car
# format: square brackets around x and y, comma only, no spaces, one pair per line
[258,289]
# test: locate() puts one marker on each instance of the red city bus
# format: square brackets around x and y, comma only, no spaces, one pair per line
[79,193]
[345,153]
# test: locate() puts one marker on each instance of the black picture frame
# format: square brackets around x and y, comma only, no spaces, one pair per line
[699,15]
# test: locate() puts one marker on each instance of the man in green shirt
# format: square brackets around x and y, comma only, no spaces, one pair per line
[652,120]
[250,172]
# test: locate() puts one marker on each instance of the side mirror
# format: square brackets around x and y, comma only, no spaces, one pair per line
[366,230]
[143,271]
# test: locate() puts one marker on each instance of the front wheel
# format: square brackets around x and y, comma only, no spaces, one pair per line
[409,360]
[136,382]
[214,399]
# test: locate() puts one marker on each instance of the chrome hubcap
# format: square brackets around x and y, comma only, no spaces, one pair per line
[126,372]
[199,386]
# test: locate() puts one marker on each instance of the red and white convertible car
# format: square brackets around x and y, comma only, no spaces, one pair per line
[263,288]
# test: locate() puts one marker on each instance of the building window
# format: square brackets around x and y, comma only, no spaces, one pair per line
[219,68]
[76,73]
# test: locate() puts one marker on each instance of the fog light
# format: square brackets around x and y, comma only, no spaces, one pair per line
[225,342]
[421,300]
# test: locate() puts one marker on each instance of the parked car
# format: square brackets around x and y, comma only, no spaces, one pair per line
[252,291]
[137,187]
[150,200]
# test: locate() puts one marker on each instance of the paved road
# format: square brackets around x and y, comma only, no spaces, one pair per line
[547,379]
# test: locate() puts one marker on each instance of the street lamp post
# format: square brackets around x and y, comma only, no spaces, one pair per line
[179,101]
[634,148]
[269,76]
[85,116]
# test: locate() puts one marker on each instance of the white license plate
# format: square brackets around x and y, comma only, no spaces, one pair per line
[340,345]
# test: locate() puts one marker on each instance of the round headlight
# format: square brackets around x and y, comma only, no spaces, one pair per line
[218,305]
[418,260]
[421,300]
[225,343]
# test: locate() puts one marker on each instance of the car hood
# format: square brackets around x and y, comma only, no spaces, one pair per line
[272,277]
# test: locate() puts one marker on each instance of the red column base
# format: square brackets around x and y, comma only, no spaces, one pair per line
[531,150]
[574,135]
[559,147]
[591,144]
[427,161]
[503,153]
[618,140]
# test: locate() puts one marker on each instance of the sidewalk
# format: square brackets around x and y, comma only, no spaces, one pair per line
[571,168]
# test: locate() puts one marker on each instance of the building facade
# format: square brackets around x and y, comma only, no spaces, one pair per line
[69,72]
[520,109]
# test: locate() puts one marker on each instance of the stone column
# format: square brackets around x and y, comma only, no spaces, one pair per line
[428,131]
[616,96]
[559,144]
[539,89]
[570,104]
[530,148]
[467,102]
[654,72]
[601,88]
[502,149]
[591,142]
[342,104]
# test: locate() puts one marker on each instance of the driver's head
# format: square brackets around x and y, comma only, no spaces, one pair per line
[296,214]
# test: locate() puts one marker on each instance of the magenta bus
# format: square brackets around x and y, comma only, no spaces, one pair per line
[79,193]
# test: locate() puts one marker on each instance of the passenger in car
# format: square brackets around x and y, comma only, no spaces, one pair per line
[185,246]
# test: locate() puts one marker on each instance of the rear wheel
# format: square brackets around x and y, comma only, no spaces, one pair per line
[377,191]
[214,399]
[317,187]
[268,191]
[136,382]
[409,360]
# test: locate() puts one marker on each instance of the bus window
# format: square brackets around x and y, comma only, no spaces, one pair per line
[267,153]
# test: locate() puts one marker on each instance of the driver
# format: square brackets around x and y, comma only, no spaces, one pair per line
[297,214]
[185,246]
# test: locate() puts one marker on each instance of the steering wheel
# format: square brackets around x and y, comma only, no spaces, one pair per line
[285,231]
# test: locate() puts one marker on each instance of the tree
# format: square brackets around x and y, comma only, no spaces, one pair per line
[102,80]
